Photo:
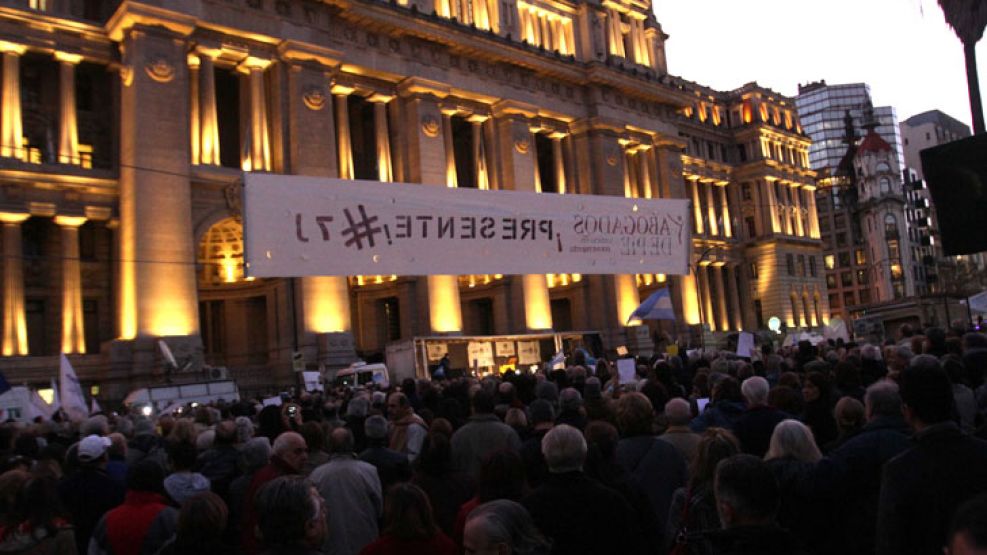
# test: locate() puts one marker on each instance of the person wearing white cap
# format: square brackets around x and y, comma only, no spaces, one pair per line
[89,492]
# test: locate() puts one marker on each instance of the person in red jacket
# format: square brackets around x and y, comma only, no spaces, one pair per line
[408,526]
[144,522]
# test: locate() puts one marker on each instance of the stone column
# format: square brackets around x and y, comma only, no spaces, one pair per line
[537,306]
[208,116]
[722,317]
[73,334]
[697,209]
[725,210]
[260,142]
[689,299]
[734,297]
[714,227]
[707,315]
[769,196]
[445,313]
[560,181]
[345,147]
[452,180]
[195,130]
[644,172]
[385,169]
[12,127]
[14,319]
[158,290]
[68,131]
[480,168]
[627,297]
[810,193]
[796,193]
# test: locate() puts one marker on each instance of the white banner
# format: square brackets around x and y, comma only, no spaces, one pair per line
[303,226]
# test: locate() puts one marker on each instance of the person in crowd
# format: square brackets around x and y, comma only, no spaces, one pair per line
[849,416]
[807,493]
[356,412]
[883,437]
[963,397]
[408,526]
[503,527]
[968,530]
[315,440]
[483,434]
[408,429]
[446,487]
[561,506]
[349,487]
[747,499]
[678,413]
[656,465]
[501,477]
[518,421]
[571,408]
[183,483]
[36,524]
[392,466]
[693,511]
[254,455]
[754,427]
[922,487]
[291,517]
[202,522]
[289,454]
[542,420]
[726,405]
[818,411]
[144,522]
[219,464]
[89,493]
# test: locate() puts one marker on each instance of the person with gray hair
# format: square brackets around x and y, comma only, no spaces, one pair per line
[757,423]
[504,527]
[883,437]
[392,467]
[559,506]
[678,413]
[352,490]
[291,517]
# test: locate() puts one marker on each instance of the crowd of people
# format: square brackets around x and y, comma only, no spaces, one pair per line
[814,449]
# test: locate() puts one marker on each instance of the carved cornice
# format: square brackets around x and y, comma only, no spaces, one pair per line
[131,14]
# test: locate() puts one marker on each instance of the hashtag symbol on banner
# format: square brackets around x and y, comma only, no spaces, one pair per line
[360,229]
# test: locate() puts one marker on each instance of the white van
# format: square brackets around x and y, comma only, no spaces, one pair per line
[161,399]
[362,374]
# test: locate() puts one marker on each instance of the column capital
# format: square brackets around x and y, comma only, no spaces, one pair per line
[253,63]
[193,60]
[67,57]
[413,86]
[70,221]
[341,90]
[380,98]
[12,48]
[131,14]
[13,217]
[295,51]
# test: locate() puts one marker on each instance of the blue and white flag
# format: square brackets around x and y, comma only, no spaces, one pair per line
[658,306]
[558,361]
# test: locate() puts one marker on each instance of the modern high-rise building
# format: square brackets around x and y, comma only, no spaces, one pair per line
[926,130]
[844,126]
[127,128]
[823,107]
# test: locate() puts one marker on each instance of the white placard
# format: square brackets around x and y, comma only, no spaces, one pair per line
[272,401]
[504,348]
[480,353]
[312,381]
[436,351]
[627,370]
[701,404]
[528,352]
[745,344]
[304,226]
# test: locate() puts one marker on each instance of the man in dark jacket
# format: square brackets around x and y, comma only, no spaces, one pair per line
[220,464]
[542,419]
[655,464]
[885,436]
[90,492]
[747,499]
[576,512]
[922,487]
[392,467]
[482,435]
[755,426]
[144,522]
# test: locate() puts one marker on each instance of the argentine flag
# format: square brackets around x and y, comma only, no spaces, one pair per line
[658,306]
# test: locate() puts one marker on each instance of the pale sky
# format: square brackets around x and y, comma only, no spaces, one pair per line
[903,49]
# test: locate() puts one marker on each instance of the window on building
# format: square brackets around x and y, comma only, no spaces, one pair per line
[800,269]
[90,325]
[390,315]
[839,220]
[841,239]
[742,153]
[829,261]
[859,257]
[812,266]
[862,277]
[546,164]
[745,191]
[885,185]
[890,226]
[462,136]
[37,327]
[228,117]
[751,226]
[831,281]
[846,279]
[844,259]
[848,298]
[864,295]
[790,264]
[363,138]
[834,301]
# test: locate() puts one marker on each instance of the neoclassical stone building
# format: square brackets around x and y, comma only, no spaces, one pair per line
[127,126]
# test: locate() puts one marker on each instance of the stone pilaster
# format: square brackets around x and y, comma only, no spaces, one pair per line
[14,340]
[68,130]
[12,126]
[73,333]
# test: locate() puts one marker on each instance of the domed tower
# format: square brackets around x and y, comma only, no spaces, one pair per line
[881,202]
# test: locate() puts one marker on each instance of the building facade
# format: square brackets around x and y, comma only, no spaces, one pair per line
[127,127]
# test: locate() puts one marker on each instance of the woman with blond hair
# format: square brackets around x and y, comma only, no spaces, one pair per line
[807,486]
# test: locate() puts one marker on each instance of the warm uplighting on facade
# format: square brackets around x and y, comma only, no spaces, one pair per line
[443,298]
[537,306]
[327,304]
[627,298]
